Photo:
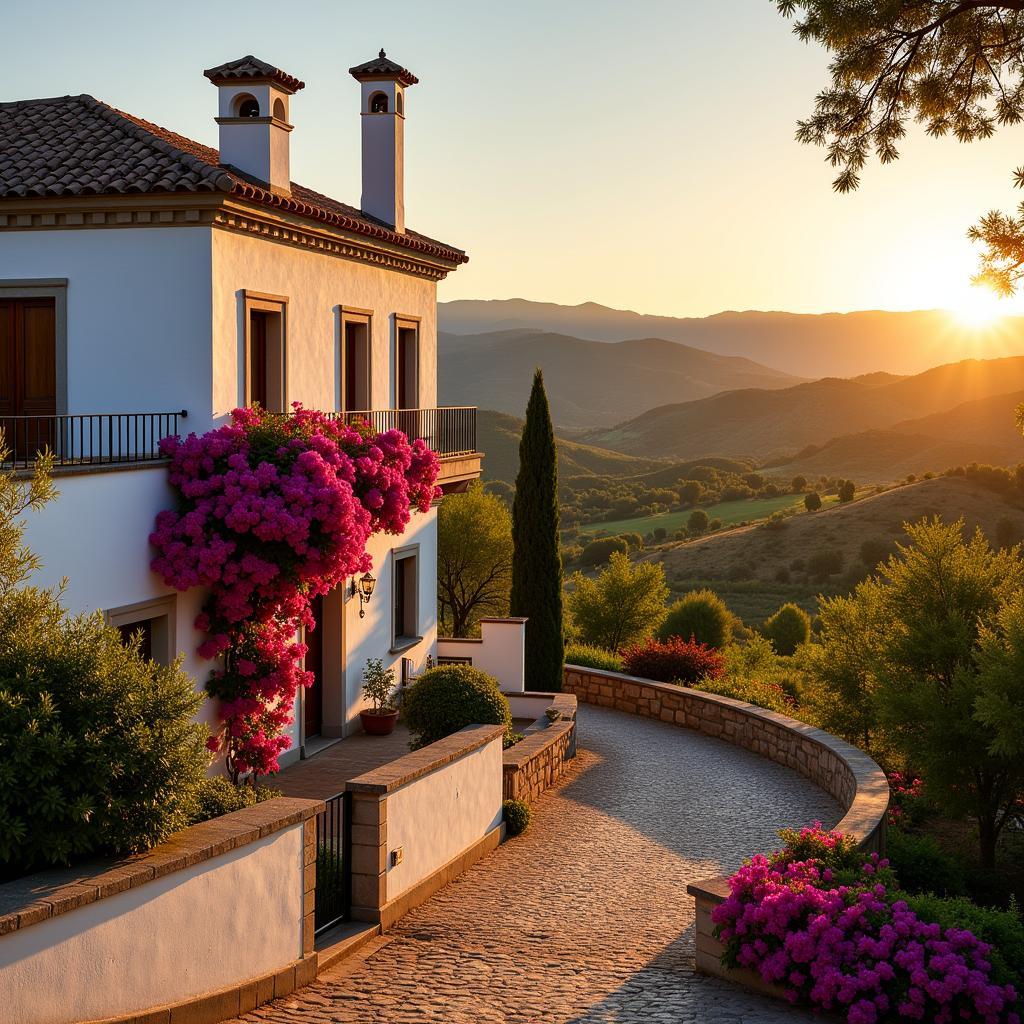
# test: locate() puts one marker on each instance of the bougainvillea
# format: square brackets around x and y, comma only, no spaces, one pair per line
[674,660]
[273,511]
[819,919]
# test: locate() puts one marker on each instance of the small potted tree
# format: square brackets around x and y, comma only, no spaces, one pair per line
[378,682]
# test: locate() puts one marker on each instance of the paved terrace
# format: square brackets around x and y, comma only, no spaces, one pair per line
[585,918]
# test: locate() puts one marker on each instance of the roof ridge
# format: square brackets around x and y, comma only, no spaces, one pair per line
[46,99]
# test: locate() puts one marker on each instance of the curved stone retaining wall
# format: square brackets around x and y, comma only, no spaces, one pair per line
[539,758]
[843,771]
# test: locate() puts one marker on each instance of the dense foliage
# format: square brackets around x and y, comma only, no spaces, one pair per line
[788,628]
[474,560]
[537,566]
[448,698]
[589,656]
[623,604]
[828,925]
[699,615]
[673,661]
[218,796]
[517,816]
[101,751]
[273,511]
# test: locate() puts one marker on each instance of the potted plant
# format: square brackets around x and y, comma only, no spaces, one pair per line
[378,682]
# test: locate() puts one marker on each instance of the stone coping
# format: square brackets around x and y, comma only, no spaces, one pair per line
[533,743]
[34,898]
[415,765]
[710,890]
[870,803]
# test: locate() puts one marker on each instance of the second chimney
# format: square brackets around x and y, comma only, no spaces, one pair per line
[383,113]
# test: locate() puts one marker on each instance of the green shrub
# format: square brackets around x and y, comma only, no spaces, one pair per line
[517,816]
[921,865]
[448,698]
[597,552]
[788,628]
[700,615]
[101,751]
[823,564]
[590,656]
[812,501]
[218,796]
[1003,930]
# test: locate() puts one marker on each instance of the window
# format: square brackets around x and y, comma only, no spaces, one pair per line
[153,622]
[405,598]
[399,103]
[378,103]
[355,360]
[407,364]
[279,112]
[265,351]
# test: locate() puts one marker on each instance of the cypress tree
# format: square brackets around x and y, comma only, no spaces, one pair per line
[537,563]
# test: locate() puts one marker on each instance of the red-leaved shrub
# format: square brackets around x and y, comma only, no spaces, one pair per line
[673,661]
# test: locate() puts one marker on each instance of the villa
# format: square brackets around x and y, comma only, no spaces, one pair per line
[150,284]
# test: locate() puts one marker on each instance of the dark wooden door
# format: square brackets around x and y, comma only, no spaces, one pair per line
[314,696]
[258,359]
[28,374]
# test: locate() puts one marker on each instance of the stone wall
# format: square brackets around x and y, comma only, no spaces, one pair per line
[537,761]
[839,768]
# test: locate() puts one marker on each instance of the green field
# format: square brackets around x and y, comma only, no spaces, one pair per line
[729,512]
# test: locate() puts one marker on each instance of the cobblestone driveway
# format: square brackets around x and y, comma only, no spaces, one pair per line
[585,918]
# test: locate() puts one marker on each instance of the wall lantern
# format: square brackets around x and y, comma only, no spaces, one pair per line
[363,588]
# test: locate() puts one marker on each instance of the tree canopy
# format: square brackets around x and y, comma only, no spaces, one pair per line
[954,66]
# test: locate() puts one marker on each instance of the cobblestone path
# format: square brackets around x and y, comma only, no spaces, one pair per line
[584,919]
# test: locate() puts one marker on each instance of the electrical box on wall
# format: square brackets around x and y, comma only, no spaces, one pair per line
[396,856]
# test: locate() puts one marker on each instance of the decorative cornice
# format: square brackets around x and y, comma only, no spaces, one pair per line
[219,211]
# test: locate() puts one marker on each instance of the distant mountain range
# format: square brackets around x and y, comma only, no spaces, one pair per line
[589,383]
[967,405]
[804,345]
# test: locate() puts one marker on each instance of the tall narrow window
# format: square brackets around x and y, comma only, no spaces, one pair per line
[407,377]
[405,604]
[355,361]
[265,352]
[153,623]
[28,374]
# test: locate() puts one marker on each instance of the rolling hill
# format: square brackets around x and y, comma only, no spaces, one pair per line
[759,553]
[807,345]
[774,425]
[589,383]
[498,437]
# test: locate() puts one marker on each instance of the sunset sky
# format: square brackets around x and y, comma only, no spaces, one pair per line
[640,155]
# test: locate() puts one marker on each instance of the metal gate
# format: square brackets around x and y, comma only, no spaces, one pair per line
[333,862]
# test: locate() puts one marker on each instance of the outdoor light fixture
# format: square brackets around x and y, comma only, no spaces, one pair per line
[363,587]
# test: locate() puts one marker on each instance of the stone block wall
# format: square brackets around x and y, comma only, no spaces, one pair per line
[536,762]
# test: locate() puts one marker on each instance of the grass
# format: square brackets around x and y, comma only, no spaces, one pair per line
[731,513]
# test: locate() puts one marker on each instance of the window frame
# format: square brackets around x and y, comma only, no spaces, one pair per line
[260,302]
[404,322]
[403,641]
[55,288]
[364,318]
[166,608]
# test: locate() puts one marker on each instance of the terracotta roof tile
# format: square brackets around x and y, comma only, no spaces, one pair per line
[253,69]
[76,145]
[383,67]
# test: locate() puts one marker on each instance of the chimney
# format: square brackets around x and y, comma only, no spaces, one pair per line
[253,119]
[382,106]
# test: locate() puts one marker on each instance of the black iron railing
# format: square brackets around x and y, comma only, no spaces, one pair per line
[87,439]
[333,863]
[449,431]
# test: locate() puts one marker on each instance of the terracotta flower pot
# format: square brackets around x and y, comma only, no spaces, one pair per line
[378,723]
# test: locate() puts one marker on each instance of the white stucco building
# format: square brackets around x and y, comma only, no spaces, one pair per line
[150,284]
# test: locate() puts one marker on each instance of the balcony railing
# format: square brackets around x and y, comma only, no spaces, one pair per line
[93,439]
[87,439]
[450,431]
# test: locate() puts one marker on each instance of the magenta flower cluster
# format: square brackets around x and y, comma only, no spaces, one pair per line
[835,938]
[274,511]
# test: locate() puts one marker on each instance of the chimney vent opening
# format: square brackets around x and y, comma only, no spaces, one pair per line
[379,103]
[247,106]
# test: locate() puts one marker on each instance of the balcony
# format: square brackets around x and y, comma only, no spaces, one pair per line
[93,440]
[87,440]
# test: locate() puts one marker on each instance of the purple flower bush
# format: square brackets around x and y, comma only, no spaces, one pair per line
[273,511]
[825,922]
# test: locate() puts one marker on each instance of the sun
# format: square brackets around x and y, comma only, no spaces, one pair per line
[978,307]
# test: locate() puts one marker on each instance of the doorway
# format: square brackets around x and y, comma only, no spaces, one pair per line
[28,374]
[313,698]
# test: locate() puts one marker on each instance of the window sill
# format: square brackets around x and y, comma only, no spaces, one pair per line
[404,643]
